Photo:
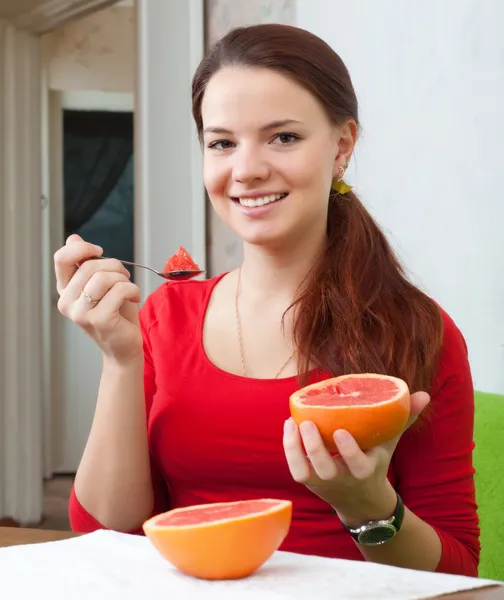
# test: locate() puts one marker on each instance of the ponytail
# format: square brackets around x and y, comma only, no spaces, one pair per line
[357,312]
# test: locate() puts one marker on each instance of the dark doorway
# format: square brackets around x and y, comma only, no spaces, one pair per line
[99,179]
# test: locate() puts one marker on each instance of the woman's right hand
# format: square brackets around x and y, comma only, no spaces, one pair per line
[111,318]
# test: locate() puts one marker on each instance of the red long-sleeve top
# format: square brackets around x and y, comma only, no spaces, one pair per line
[217,437]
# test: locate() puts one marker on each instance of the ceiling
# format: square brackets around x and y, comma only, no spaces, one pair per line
[40,16]
[10,9]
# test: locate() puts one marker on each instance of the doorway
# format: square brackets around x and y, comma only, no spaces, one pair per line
[98,176]
[98,205]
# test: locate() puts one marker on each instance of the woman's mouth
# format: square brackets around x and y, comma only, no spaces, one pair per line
[259,200]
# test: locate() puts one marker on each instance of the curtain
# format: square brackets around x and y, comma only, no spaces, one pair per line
[97,148]
[21,471]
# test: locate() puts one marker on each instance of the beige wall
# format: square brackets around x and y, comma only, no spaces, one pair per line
[94,53]
[22,385]
[224,248]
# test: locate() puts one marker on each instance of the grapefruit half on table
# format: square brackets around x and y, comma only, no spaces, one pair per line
[227,540]
[373,408]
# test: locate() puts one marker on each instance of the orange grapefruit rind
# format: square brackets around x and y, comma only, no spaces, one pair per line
[370,424]
[228,548]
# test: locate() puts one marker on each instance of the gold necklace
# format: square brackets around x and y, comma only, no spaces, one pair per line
[240,339]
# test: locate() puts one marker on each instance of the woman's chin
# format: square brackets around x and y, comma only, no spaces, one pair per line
[266,238]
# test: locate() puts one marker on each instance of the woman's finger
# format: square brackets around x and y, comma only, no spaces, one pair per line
[419,402]
[321,461]
[112,302]
[67,258]
[297,461]
[101,282]
[358,463]
[87,271]
[92,293]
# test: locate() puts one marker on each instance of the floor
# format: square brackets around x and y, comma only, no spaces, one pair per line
[56,493]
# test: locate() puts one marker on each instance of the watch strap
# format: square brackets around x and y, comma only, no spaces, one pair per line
[395,521]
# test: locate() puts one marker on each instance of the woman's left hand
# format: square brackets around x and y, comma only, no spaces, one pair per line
[354,482]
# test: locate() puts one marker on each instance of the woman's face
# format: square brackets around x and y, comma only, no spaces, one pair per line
[270,154]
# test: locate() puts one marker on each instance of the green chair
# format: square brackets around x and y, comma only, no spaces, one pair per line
[489,465]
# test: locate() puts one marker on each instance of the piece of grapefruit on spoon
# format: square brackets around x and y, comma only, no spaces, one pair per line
[180,261]
[372,408]
[225,540]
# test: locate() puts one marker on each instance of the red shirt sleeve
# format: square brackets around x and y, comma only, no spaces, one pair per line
[80,519]
[433,460]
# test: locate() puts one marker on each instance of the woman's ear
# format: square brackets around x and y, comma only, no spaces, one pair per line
[347,138]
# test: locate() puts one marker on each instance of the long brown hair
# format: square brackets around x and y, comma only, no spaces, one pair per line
[356,312]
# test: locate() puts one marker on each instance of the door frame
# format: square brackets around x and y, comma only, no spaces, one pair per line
[149,204]
[58,456]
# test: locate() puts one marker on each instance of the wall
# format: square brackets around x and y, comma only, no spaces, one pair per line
[169,194]
[21,347]
[97,52]
[224,248]
[429,79]
[96,100]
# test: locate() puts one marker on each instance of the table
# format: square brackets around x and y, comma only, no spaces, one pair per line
[13,536]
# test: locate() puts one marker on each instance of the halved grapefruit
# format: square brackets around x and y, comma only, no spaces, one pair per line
[225,540]
[180,261]
[372,408]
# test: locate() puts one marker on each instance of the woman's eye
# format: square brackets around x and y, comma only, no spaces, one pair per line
[221,145]
[286,138]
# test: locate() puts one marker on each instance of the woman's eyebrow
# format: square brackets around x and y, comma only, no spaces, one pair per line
[271,125]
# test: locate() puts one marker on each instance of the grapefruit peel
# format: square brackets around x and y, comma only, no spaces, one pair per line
[373,408]
[216,548]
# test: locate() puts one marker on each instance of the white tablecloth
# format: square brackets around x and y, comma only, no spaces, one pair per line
[108,565]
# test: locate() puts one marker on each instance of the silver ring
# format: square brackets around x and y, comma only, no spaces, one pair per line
[88,298]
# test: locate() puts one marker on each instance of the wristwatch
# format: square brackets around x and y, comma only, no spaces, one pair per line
[375,533]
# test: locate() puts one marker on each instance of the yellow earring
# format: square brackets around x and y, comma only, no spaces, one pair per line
[338,185]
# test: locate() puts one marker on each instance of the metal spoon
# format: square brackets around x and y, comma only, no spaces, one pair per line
[170,275]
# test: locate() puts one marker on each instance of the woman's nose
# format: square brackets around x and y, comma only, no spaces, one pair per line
[249,165]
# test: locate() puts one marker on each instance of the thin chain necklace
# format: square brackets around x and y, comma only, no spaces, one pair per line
[240,339]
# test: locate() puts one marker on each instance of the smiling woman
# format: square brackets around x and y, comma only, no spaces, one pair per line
[280,123]
[319,294]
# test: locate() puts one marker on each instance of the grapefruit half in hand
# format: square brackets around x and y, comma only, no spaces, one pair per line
[372,408]
[227,540]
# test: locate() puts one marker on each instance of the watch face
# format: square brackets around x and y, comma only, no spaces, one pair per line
[377,534]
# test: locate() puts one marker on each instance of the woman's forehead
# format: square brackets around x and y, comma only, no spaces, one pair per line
[260,96]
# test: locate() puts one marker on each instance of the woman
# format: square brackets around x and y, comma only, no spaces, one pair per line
[193,400]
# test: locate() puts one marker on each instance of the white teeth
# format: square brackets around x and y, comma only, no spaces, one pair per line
[261,201]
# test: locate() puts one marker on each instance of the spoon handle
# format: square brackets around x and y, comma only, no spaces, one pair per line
[132,264]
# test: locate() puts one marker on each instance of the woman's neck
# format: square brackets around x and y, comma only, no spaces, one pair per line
[267,275]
